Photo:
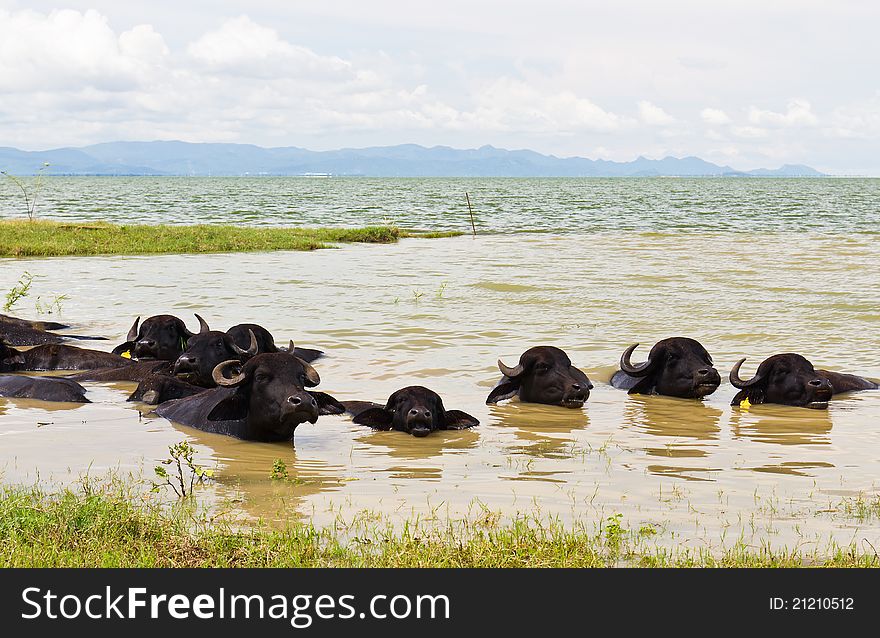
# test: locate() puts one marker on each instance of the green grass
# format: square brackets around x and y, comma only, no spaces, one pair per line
[57,239]
[112,527]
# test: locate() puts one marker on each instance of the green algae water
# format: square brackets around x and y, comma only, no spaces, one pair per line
[750,267]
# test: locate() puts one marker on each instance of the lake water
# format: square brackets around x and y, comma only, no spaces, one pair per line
[750,267]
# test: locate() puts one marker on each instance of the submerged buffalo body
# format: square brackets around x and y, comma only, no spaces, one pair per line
[42,388]
[264,401]
[160,337]
[21,332]
[544,375]
[415,410]
[676,367]
[52,356]
[791,379]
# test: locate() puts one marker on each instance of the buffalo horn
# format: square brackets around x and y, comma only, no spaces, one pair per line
[252,348]
[739,383]
[133,333]
[627,366]
[203,325]
[220,378]
[511,373]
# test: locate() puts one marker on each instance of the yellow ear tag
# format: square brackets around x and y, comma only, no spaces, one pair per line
[745,404]
[126,354]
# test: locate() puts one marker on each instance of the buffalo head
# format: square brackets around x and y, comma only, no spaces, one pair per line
[544,375]
[271,395]
[676,367]
[415,410]
[160,337]
[205,350]
[789,379]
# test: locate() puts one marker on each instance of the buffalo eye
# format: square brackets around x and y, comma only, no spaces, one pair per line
[262,377]
[541,368]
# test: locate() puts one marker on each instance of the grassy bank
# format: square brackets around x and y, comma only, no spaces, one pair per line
[107,529]
[57,239]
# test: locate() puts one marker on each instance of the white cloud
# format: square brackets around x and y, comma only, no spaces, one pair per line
[749,132]
[241,46]
[714,116]
[798,114]
[857,121]
[653,115]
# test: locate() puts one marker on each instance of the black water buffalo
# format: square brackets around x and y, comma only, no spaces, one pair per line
[676,367]
[22,332]
[790,379]
[415,410]
[53,356]
[135,372]
[159,337]
[42,389]
[544,375]
[157,387]
[263,401]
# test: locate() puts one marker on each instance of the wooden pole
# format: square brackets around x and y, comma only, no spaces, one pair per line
[473,225]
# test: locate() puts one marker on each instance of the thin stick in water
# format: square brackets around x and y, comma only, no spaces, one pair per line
[473,225]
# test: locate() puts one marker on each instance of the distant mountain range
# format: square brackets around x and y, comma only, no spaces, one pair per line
[406,160]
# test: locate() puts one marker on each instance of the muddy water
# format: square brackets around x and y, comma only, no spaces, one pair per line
[440,312]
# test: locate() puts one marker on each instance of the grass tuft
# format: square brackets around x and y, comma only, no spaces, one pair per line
[59,239]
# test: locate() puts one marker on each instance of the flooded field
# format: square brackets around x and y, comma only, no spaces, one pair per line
[440,312]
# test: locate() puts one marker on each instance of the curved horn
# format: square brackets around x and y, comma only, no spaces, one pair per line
[627,366]
[735,379]
[203,325]
[133,332]
[221,379]
[290,347]
[253,348]
[512,373]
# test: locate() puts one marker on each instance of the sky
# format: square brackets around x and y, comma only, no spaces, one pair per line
[747,84]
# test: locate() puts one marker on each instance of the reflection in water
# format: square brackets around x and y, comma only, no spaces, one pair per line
[783,425]
[671,417]
[540,429]
[687,428]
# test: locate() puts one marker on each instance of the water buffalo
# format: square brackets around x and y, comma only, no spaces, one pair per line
[263,401]
[415,410]
[52,356]
[676,367]
[42,389]
[135,372]
[544,375]
[790,379]
[21,332]
[159,337]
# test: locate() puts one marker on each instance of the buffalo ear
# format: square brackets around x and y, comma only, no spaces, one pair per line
[754,395]
[644,386]
[128,346]
[232,408]
[376,418]
[327,404]
[308,354]
[458,420]
[507,389]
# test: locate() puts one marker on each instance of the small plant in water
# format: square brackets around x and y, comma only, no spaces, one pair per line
[185,471]
[441,290]
[30,197]
[417,295]
[50,307]
[18,291]
[279,471]
[614,532]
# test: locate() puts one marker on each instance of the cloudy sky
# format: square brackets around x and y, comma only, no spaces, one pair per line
[745,83]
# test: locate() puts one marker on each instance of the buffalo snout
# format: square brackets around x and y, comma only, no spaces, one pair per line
[302,405]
